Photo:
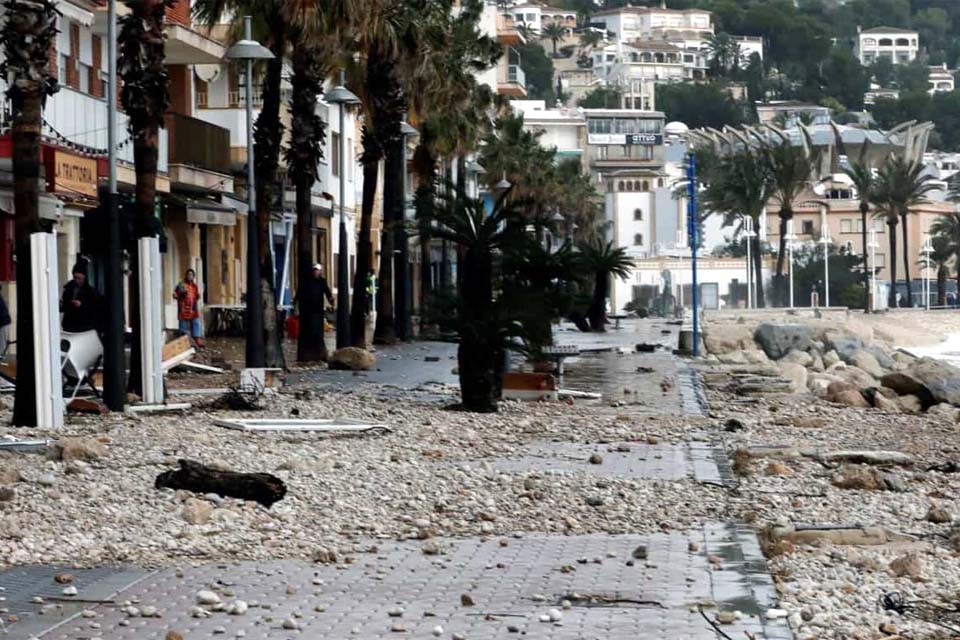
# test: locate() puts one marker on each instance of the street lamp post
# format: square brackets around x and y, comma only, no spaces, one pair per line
[791,238]
[825,241]
[343,97]
[926,251]
[749,234]
[401,269]
[249,50]
[873,244]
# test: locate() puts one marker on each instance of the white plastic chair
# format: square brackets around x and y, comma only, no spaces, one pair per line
[80,354]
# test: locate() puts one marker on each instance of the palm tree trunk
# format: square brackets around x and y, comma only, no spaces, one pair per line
[26,201]
[361,303]
[267,135]
[892,295]
[597,312]
[864,209]
[758,271]
[479,350]
[385,331]
[942,286]
[311,346]
[906,258]
[779,289]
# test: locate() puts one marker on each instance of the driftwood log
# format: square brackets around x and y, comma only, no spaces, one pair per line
[193,476]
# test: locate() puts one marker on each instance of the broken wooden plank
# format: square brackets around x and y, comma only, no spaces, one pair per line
[573,393]
[322,425]
[202,368]
[153,408]
[193,476]
[896,458]
[175,347]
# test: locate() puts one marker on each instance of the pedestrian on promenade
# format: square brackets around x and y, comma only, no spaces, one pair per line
[80,303]
[309,304]
[5,322]
[187,295]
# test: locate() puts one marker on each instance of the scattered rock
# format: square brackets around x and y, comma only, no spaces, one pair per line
[801,358]
[640,553]
[941,378]
[7,494]
[173,635]
[849,397]
[830,358]
[725,617]
[911,403]
[795,373]
[845,345]
[867,479]
[70,449]
[207,597]
[352,359]
[777,340]
[907,566]
[939,515]
[291,623]
[777,468]
[595,458]
[196,511]
[395,612]
[47,480]
[9,475]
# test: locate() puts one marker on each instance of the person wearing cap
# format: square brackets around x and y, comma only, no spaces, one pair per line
[309,303]
[79,302]
[187,295]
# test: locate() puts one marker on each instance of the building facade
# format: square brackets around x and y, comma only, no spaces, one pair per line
[899,46]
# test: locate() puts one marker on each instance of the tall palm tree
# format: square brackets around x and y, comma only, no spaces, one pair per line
[318,31]
[790,170]
[603,261]
[724,53]
[946,230]
[739,188]
[862,176]
[902,185]
[145,97]
[271,29]
[555,33]
[528,32]
[28,32]
[590,38]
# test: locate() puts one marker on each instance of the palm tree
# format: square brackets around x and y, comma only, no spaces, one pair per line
[902,185]
[29,32]
[590,38]
[603,261]
[946,230]
[862,177]
[790,169]
[528,32]
[145,97]
[483,324]
[739,188]
[271,29]
[555,32]
[724,53]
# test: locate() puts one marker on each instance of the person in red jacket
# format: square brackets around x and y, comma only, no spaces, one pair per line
[187,295]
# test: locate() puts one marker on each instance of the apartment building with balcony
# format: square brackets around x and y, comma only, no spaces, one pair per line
[506,77]
[686,28]
[941,79]
[637,67]
[899,46]
[537,16]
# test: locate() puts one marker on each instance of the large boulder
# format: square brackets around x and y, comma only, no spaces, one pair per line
[850,398]
[795,373]
[911,404]
[881,355]
[942,379]
[731,357]
[724,338]
[857,377]
[818,383]
[777,340]
[844,344]
[830,358]
[352,359]
[865,360]
[755,356]
[801,358]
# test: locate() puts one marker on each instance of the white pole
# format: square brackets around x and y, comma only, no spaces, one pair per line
[790,255]
[826,272]
[873,265]
[749,276]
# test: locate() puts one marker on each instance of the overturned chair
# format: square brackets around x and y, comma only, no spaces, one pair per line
[80,355]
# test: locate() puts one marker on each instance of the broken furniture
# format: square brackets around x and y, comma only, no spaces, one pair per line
[528,386]
[617,318]
[226,319]
[558,353]
[80,355]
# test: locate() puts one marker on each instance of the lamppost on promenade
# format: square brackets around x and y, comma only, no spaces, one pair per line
[401,266]
[343,97]
[749,234]
[248,50]
[791,239]
[926,250]
[873,245]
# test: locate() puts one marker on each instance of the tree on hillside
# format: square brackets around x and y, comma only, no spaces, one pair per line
[845,79]
[698,105]
[724,53]
[913,77]
[555,33]
[538,70]
[883,72]
[602,98]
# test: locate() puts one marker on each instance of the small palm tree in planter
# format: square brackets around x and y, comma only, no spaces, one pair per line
[603,261]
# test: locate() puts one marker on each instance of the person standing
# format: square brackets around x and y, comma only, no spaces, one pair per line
[311,345]
[187,295]
[5,321]
[79,302]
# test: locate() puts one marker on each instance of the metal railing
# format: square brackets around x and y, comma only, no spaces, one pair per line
[515,75]
[197,143]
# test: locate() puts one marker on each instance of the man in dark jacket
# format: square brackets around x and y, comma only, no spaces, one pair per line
[309,301]
[79,303]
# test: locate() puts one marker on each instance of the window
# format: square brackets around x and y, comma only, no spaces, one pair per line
[349,159]
[869,42]
[851,225]
[646,185]
[638,214]
[878,224]
[620,186]
[62,69]
[879,260]
[886,42]
[629,186]
[660,183]
[84,77]
[807,227]
[335,154]
[638,239]
[903,42]
[636,186]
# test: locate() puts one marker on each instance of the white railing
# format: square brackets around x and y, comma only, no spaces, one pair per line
[515,75]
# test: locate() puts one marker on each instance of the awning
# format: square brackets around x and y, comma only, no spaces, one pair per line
[50,207]
[204,210]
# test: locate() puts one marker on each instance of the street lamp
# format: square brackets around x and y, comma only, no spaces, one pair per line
[342,96]
[926,251]
[873,244]
[504,184]
[825,241]
[749,234]
[401,281]
[249,50]
[791,239]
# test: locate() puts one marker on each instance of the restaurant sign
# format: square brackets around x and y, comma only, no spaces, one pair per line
[71,174]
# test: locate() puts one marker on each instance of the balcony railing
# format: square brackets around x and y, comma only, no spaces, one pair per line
[516,76]
[236,99]
[197,143]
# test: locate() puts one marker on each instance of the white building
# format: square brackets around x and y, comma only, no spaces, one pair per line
[686,28]
[900,46]
[941,80]
[537,16]
[562,129]
[749,46]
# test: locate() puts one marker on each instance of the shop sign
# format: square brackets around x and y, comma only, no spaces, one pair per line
[74,174]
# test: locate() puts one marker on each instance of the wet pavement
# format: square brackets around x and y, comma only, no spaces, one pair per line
[613,591]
